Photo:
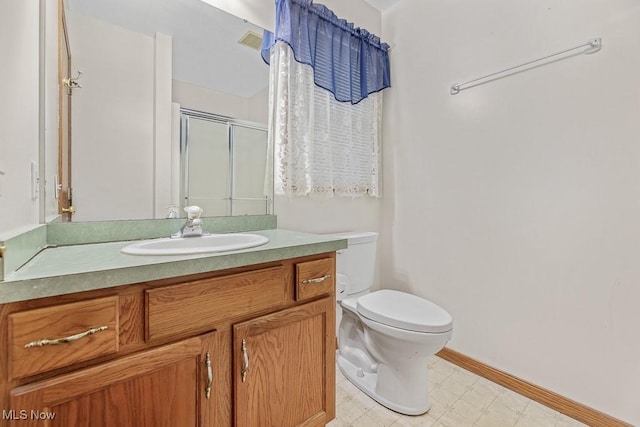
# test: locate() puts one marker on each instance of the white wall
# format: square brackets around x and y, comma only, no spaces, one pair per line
[113,121]
[163,145]
[19,117]
[258,107]
[194,97]
[208,100]
[328,215]
[515,204]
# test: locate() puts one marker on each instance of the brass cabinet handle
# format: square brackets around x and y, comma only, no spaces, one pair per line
[45,341]
[245,361]
[316,280]
[207,362]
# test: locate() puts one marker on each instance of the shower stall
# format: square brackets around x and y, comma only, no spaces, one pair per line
[223,164]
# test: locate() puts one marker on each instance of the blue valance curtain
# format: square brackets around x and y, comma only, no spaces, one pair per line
[348,61]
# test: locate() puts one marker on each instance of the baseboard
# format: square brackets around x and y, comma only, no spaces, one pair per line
[548,398]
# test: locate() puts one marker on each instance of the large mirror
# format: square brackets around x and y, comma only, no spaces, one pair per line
[141,74]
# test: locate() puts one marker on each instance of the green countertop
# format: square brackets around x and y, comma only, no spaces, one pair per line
[76,268]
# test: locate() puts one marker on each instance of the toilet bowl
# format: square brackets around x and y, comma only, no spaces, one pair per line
[386,337]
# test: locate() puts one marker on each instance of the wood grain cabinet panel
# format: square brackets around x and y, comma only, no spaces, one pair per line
[284,370]
[52,337]
[164,386]
[193,307]
[314,278]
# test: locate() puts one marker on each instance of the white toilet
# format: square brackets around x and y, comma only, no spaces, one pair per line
[385,337]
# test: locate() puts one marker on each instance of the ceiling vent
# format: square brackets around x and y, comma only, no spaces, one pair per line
[251,39]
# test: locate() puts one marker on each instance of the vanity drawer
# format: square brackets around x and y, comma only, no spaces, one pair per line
[52,337]
[200,306]
[314,278]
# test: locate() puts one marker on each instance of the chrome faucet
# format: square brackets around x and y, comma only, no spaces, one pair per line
[193,226]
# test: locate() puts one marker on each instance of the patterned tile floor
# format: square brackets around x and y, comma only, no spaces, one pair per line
[459,398]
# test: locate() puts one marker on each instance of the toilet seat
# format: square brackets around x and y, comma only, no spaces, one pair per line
[404,311]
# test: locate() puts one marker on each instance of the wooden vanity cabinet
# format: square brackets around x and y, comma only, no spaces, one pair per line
[150,388]
[286,371]
[242,347]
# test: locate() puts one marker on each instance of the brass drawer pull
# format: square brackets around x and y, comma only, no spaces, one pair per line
[46,341]
[245,361]
[207,362]
[317,280]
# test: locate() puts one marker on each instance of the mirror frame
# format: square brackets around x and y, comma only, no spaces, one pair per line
[63,183]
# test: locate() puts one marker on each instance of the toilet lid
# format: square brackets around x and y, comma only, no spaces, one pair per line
[404,311]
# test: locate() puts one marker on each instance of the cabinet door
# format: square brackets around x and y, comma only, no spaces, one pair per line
[165,386]
[284,367]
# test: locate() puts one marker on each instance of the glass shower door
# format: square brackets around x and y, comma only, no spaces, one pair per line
[249,162]
[224,165]
[206,168]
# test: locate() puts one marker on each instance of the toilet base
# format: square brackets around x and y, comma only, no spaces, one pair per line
[366,382]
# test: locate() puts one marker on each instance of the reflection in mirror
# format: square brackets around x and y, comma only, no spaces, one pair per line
[249,164]
[141,62]
[223,165]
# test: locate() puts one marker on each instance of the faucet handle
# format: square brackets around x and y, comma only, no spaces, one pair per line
[193,212]
[172,211]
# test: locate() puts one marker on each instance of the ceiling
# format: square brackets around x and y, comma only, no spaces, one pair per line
[382,5]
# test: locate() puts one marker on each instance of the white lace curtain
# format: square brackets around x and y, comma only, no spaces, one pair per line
[322,147]
[327,78]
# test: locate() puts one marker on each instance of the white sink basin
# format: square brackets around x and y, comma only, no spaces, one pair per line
[195,245]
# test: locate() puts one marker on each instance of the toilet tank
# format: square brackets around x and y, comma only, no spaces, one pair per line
[358,261]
